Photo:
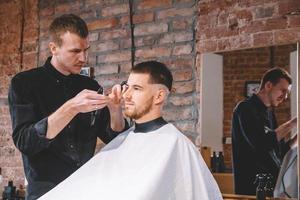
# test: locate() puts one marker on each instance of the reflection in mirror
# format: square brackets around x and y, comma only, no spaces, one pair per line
[226,79]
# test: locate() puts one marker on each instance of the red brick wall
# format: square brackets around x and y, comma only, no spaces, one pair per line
[11,53]
[164,30]
[229,25]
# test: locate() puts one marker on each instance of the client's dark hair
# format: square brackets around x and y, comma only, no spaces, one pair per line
[159,73]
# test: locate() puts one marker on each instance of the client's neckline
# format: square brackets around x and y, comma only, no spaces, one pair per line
[149,126]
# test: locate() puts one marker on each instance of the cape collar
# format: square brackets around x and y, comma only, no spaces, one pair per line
[150,125]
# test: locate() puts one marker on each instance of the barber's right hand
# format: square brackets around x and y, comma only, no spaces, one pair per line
[88,100]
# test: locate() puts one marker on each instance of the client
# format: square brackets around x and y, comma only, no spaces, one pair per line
[152,160]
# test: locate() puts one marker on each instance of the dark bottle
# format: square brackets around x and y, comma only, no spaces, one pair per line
[221,162]
[269,186]
[260,189]
[214,161]
[9,192]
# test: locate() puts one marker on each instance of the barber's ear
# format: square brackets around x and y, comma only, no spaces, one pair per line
[268,85]
[160,96]
[53,48]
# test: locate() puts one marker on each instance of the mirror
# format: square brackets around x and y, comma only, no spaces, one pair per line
[227,78]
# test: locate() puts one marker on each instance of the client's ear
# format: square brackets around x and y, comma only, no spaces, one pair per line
[160,96]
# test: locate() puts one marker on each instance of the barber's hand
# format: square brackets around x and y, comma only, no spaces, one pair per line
[88,100]
[293,141]
[115,97]
[283,130]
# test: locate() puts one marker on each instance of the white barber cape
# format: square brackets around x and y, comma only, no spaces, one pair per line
[157,165]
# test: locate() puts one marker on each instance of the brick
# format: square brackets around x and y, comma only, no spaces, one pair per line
[145,41]
[175,12]
[276,23]
[206,46]
[180,63]
[105,69]
[178,113]
[150,29]
[104,46]
[116,33]
[182,75]
[49,11]
[222,19]
[184,1]
[180,100]
[186,126]
[288,6]
[93,37]
[30,46]
[45,23]
[116,57]
[87,14]
[102,24]
[29,60]
[92,59]
[263,12]
[153,53]
[108,80]
[293,21]
[68,7]
[142,18]
[115,10]
[182,24]
[207,21]
[263,39]
[287,36]
[182,50]
[176,37]
[237,42]
[150,4]
[184,87]
[101,3]
[125,67]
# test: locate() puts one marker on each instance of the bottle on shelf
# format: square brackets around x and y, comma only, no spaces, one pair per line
[9,192]
[260,189]
[269,186]
[213,162]
[221,166]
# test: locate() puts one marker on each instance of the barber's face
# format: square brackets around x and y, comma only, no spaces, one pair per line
[71,56]
[138,97]
[278,92]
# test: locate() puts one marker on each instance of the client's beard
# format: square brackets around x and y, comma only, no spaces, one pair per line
[137,114]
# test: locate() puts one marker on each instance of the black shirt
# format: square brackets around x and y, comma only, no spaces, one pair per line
[255,147]
[33,96]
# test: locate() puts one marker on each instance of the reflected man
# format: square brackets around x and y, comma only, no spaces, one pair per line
[258,144]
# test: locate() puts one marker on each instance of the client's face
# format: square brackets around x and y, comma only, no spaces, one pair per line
[138,97]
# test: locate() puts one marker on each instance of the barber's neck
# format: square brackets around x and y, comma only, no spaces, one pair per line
[264,97]
[55,63]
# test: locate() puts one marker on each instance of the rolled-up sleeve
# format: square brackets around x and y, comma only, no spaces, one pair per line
[29,132]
